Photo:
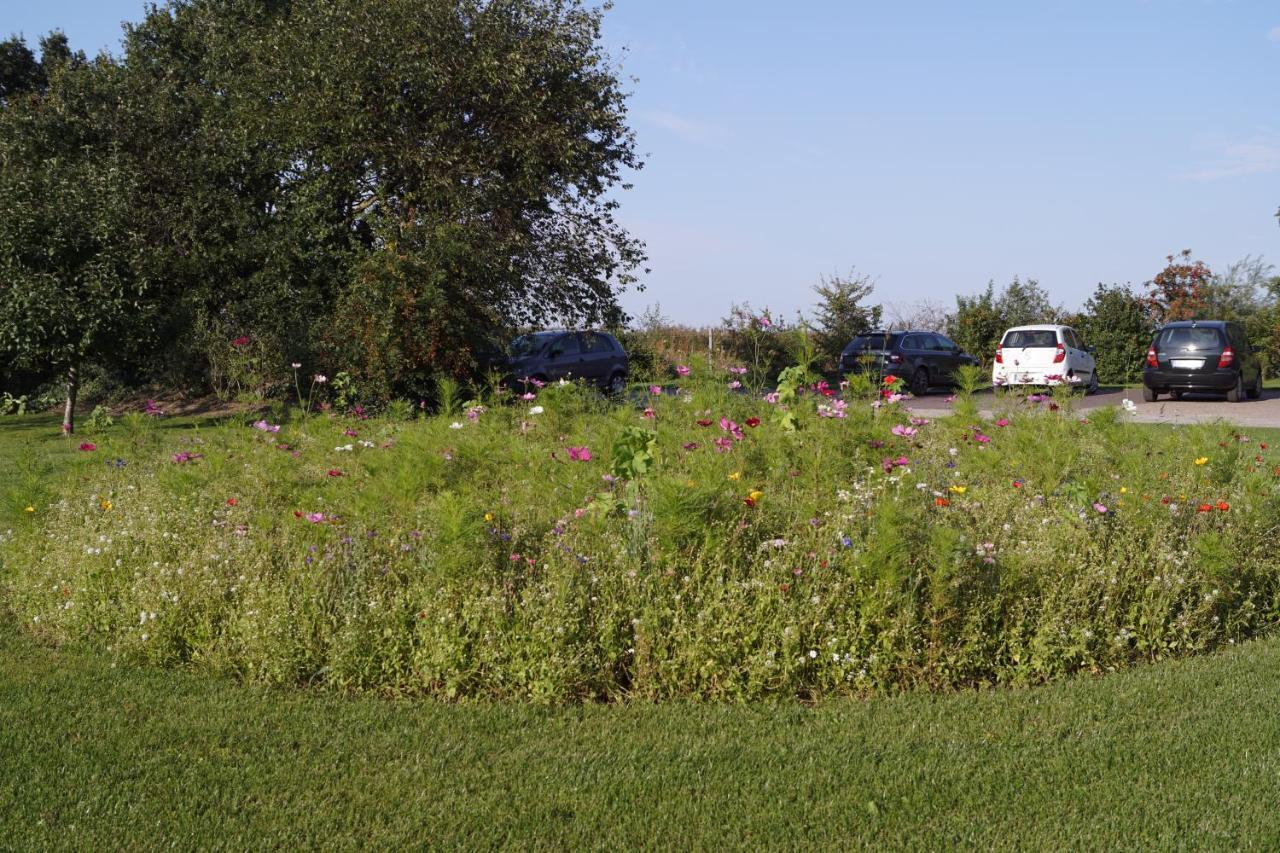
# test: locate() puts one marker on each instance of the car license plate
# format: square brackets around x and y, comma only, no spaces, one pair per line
[1024,377]
[1188,363]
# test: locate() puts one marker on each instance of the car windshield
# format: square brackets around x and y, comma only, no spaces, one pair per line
[1031,338]
[1188,338]
[869,342]
[527,345]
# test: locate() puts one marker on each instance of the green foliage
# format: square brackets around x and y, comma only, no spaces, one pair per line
[841,315]
[11,405]
[477,558]
[99,419]
[634,453]
[980,321]
[1118,324]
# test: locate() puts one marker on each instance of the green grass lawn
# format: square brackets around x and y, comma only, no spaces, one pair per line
[1184,754]
[94,754]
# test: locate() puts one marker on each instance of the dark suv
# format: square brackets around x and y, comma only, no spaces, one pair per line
[923,359]
[596,357]
[1196,356]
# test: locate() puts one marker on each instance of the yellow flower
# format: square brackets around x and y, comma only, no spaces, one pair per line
[488,516]
[736,475]
[959,490]
[756,495]
[106,505]
[30,509]
[1202,460]
[690,483]
[1124,490]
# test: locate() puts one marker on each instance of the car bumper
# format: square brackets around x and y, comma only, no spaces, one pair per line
[1010,375]
[1181,380]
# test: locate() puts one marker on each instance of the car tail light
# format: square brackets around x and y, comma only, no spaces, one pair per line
[999,355]
[1151,357]
[1061,355]
[896,358]
[1227,358]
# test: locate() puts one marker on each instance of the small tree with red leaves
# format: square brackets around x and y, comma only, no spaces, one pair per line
[1178,292]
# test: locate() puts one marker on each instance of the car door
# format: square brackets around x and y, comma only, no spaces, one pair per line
[564,357]
[947,357]
[598,356]
[1078,358]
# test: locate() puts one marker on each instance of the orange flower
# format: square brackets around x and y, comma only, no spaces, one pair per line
[941,502]
[1205,508]
[1223,506]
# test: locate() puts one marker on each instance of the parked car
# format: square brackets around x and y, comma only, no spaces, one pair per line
[1047,354]
[550,356]
[923,359]
[1210,356]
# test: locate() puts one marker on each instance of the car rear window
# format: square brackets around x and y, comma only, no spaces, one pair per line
[866,342]
[1188,338]
[1031,338]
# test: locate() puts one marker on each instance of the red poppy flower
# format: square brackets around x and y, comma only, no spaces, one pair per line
[703,422]
[297,513]
[1205,508]
[941,502]
[752,422]
[749,501]
[1223,506]
[88,448]
[1165,500]
[242,341]
[231,501]
[1263,445]
[334,472]
[889,380]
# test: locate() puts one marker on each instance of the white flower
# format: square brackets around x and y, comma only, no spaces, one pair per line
[1129,406]
[345,448]
[536,410]
[366,444]
[455,425]
[813,653]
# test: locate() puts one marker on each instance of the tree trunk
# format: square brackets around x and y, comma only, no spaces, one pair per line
[69,414]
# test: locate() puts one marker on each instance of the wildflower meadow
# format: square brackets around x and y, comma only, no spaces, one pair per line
[695,539]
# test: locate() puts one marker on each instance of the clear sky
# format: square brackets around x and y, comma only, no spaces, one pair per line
[932,145]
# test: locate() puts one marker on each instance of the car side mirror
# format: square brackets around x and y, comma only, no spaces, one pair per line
[1091,350]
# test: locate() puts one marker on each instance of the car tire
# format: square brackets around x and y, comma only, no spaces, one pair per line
[1256,391]
[1149,395]
[1236,394]
[617,384]
[920,382]
[1092,387]
[1177,395]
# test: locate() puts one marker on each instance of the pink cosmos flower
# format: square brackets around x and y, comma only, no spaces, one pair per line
[579,454]
[772,398]
[242,341]
[650,414]
[764,321]
[1100,508]
[682,370]
[315,517]
[88,448]
[735,385]
[723,445]
[739,371]
[655,390]
[904,431]
[266,427]
[1003,422]
[919,422]
[528,395]
[982,439]
[320,379]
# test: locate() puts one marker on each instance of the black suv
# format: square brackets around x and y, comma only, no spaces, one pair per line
[923,359]
[596,357]
[1196,356]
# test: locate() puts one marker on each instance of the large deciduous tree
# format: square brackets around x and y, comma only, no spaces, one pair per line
[68,290]
[1179,291]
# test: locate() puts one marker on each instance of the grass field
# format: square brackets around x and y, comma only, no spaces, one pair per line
[1184,754]
[98,753]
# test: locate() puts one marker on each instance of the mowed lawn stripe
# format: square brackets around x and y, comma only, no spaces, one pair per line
[1185,753]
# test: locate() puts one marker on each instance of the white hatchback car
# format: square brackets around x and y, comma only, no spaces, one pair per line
[1044,355]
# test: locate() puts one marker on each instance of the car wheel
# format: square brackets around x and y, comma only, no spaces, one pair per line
[1236,393]
[1092,387]
[1256,391]
[1149,395]
[1177,395]
[920,382]
[617,383]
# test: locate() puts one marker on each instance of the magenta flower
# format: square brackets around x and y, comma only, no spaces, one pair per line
[723,445]
[528,395]
[1003,422]
[315,517]
[655,390]
[682,370]
[1100,508]
[739,371]
[650,414]
[772,398]
[735,385]
[242,341]
[185,456]
[982,439]
[690,445]
[764,321]
[904,431]
[266,427]
[919,422]
[579,454]
[88,448]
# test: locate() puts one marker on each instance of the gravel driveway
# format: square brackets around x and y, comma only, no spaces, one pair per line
[1263,412]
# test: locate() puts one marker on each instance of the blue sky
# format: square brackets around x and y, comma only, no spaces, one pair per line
[932,145]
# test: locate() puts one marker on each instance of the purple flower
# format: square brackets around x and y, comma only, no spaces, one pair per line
[1099,508]
[266,427]
[579,454]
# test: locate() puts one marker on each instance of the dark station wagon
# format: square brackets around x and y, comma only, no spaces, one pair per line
[594,357]
[923,359]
